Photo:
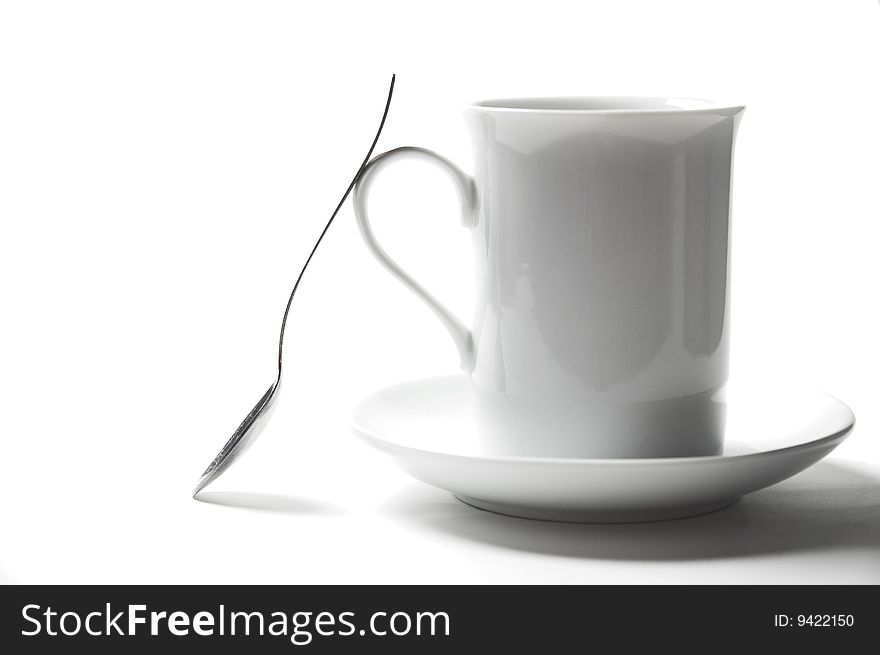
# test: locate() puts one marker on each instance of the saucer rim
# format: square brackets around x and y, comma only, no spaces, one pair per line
[376,440]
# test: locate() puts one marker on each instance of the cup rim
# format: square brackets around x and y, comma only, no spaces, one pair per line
[599,105]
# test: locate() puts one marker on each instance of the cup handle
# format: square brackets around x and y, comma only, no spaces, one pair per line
[467,193]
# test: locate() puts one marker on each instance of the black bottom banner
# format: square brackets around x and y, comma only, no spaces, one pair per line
[110,619]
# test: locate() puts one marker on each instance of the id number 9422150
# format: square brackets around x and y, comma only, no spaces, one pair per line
[813,620]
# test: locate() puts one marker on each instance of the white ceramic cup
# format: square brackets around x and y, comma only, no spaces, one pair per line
[601,234]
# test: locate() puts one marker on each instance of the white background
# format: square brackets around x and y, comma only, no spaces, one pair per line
[166,166]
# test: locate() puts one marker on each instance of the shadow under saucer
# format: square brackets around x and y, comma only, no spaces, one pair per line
[835,505]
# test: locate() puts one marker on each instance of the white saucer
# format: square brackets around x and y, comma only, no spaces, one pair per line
[426,427]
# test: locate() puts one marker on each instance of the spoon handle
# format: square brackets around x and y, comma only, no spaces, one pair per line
[330,222]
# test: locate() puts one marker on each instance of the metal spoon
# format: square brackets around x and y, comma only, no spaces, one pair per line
[254,422]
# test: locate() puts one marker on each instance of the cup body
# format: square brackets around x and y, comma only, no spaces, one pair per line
[601,327]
